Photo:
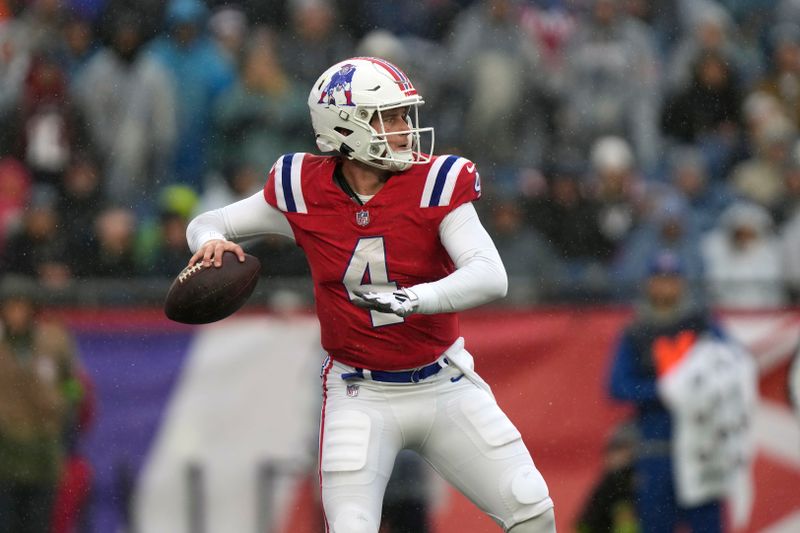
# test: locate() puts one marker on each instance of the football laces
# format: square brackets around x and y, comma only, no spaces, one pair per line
[187,272]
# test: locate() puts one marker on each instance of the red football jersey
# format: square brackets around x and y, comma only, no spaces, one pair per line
[390,242]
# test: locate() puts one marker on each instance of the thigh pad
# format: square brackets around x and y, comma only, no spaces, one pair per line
[345,441]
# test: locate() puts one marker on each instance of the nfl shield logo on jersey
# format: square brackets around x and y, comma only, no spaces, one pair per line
[352,391]
[362,217]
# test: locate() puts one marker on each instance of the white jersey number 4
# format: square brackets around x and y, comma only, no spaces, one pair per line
[367,271]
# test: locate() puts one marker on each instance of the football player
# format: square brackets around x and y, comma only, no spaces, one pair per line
[396,249]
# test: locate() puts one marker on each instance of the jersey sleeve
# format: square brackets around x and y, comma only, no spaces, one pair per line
[284,187]
[451,181]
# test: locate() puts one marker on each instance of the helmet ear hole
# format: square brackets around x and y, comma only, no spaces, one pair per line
[343,131]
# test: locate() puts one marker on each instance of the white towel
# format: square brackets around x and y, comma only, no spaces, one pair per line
[711,394]
[463,360]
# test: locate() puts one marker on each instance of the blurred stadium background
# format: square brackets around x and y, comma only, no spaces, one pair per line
[604,130]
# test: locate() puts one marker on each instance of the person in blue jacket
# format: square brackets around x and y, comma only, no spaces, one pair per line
[201,73]
[666,312]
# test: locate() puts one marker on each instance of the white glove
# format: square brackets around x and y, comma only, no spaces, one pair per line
[401,302]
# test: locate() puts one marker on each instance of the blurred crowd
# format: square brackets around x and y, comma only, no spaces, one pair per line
[604,130]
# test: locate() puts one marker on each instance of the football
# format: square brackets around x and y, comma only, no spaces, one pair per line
[200,295]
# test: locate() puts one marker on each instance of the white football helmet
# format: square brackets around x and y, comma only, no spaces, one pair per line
[345,99]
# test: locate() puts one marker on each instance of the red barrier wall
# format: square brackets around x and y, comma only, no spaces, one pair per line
[548,369]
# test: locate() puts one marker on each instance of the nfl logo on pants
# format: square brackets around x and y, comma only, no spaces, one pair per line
[352,391]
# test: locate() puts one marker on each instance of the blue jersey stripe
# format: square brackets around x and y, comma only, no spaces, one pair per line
[441,177]
[286,182]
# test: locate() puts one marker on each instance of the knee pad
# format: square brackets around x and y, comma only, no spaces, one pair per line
[528,486]
[527,493]
[354,520]
[543,523]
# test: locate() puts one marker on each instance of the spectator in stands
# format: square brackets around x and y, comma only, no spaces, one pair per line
[230,185]
[617,188]
[787,11]
[568,217]
[314,39]
[789,204]
[14,64]
[112,254]
[712,31]
[665,18]
[38,394]
[760,109]
[550,25]
[422,61]
[707,110]
[229,27]
[427,19]
[161,246]
[529,258]
[665,316]
[279,258]
[742,259]
[15,192]
[77,45]
[705,199]
[263,115]
[493,72]
[172,251]
[783,79]
[149,16]
[611,83]
[760,179]
[42,21]
[39,247]
[48,127]
[201,73]
[130,104]
[665,227]
[80,200]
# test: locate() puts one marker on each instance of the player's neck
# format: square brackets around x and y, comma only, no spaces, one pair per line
[364,179]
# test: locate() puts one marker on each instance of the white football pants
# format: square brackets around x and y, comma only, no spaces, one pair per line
[451,420]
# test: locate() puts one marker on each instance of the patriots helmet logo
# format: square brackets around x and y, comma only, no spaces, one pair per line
[341,81]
